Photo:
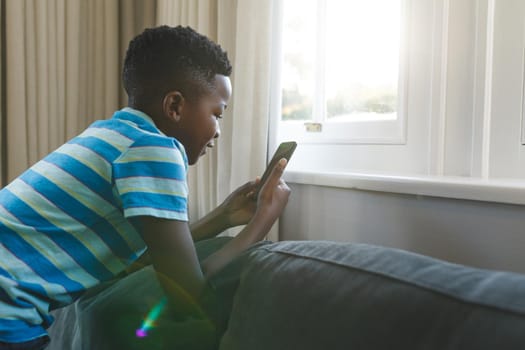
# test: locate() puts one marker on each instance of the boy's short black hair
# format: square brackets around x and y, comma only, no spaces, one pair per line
[163,59]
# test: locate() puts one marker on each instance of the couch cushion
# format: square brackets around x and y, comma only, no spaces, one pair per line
[327,295]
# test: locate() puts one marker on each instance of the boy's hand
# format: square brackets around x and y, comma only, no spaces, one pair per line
[243,206]
[270,203]
[240,205]
[273,196]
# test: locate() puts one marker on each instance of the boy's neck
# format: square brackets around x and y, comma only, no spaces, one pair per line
[144,108]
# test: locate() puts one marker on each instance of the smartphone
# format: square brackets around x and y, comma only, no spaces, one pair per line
[285,150]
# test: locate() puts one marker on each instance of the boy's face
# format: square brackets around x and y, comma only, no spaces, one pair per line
[198,124]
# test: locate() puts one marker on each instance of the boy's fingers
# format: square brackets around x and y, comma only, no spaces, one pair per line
[249,186]
[275,176]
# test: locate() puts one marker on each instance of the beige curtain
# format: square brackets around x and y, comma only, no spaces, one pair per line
[243,150]
[63,62]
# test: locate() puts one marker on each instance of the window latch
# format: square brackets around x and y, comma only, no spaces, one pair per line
[313,127]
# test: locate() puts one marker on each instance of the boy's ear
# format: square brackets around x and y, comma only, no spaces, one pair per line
[172,105]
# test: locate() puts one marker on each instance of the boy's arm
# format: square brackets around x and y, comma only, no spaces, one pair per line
[173,254]
[210,225]
[237,209]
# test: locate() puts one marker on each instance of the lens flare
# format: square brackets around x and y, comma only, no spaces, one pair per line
[149,321]
[141,333]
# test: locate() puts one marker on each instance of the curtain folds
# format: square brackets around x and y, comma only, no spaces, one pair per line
[63,62]
[201,15]
[247,150]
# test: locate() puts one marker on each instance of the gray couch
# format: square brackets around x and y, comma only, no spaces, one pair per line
[326,295]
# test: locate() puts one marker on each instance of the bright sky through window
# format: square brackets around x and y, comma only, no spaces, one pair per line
[341,59]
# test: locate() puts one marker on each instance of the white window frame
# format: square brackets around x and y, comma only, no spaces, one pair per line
[370,131]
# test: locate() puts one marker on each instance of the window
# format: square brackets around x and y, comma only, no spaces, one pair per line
[342,79]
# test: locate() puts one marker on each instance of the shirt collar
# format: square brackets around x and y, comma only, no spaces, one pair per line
[138,117]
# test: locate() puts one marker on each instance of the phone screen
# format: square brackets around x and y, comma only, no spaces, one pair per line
[285,150]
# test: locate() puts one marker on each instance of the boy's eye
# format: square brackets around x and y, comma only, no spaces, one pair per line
[218,116]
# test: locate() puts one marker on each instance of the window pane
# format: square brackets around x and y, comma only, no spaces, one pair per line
[298,70]
[362,59]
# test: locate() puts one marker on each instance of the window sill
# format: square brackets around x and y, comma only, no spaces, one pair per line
[509,191]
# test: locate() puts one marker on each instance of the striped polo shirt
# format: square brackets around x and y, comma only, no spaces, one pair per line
[63,222]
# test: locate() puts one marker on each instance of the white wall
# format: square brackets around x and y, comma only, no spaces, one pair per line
[507,153]
[482,234]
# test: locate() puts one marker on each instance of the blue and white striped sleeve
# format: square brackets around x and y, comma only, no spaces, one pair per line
[150,178]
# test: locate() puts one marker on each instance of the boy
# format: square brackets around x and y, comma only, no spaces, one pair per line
[85,212]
